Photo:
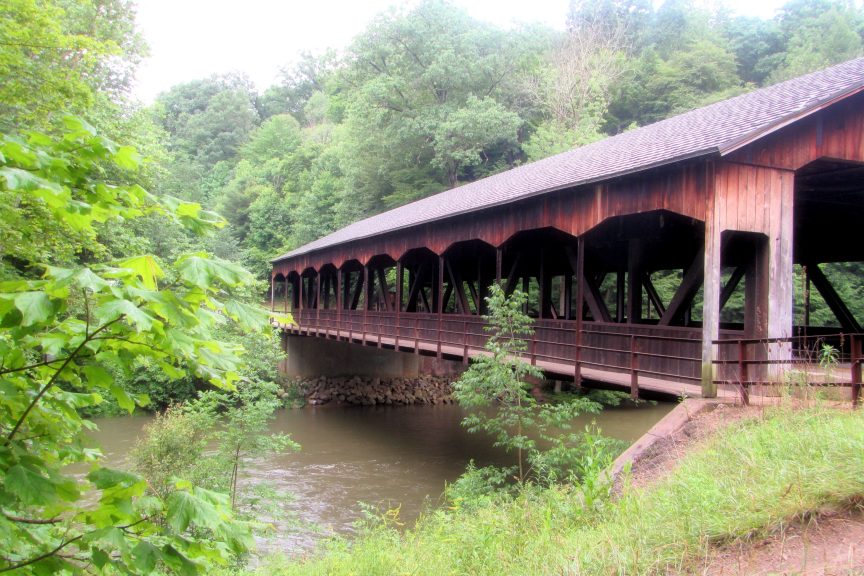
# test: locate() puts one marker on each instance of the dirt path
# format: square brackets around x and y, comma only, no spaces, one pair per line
[830,543]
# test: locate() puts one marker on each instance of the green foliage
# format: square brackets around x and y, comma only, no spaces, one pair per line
[244,414]
[63,329]
[499,379]
[208,441]
[58,55]
[748,481]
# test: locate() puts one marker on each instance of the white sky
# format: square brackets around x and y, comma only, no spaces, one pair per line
[192,39]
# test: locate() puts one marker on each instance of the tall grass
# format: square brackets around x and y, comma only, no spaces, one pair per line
[751,478]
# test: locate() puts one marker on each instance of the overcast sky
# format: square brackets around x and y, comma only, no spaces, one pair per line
[192,39]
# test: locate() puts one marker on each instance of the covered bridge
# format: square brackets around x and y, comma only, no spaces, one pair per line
[718,204]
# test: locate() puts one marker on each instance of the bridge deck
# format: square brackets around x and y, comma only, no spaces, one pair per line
[635,357]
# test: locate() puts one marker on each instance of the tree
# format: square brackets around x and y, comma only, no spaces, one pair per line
[818,33]
[425,104]
[58,54]
[500,379]
[61,331]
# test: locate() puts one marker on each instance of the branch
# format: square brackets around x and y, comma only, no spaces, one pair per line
[42,557]
[36,365]
[31,520]
[54,378]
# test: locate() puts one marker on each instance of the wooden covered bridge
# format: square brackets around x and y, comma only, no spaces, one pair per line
[630,248]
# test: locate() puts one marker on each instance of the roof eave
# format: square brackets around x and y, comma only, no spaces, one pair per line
[748,139]
[690,156]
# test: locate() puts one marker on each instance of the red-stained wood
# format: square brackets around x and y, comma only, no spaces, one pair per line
[679,189]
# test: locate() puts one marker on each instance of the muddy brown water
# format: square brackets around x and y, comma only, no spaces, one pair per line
[385,456]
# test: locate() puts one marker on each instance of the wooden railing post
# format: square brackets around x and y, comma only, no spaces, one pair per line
[440,302]
[634,369]
[743,372]
[465,342]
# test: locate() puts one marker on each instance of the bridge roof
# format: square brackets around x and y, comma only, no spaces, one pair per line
[715,129]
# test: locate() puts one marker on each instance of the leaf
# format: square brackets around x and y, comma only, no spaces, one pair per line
[178,562]
[123,399]
[35,307]
[97,376]
[87,279]
[145,556]
[185,508]
[201,271]
[53,343]
[112,309]
[104,478]
[146,268]
[29,486]
[247,316]
[127,158]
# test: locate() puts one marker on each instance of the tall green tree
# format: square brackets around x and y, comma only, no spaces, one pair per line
[425,105]
[62,331]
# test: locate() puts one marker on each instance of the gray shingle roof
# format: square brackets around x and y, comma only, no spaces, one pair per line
[714,129]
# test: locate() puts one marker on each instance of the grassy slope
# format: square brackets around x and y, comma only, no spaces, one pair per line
[750,478]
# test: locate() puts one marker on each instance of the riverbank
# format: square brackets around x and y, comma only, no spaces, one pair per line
[366,391]
[733,500]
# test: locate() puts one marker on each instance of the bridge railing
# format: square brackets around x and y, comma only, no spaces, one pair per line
[634,351]
[801,361]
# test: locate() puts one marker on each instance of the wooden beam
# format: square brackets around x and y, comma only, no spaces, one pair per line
[475,294]
[358,290]
[634,282]
[414,287]
[586,289]
[620,303]
[653,296]
[456,281]
[686,291]
[426,305]
[833,299]
[383,289]
[731,285]
[511,276]
[448,291]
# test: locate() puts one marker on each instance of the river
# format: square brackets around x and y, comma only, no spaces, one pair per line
[382,456]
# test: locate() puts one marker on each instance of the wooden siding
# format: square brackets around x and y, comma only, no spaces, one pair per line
[682,189]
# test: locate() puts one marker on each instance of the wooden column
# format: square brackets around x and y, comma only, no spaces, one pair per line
[580,304]
[543,285]
[711,303]
[634,282]
[318,298]
[399,281]
[440,300]
[526,289]
[620,288]
[365,299]
[567,308]
[499,258]
[340,301]
[781,272]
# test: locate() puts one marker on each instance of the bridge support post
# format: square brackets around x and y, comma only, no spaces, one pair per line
[711,302]
[579,271]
